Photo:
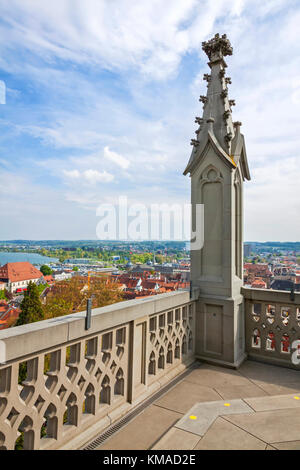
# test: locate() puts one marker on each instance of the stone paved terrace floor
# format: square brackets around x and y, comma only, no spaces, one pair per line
[256,407]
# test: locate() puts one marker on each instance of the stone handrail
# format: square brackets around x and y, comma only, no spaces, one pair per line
[273,326]
[61,384]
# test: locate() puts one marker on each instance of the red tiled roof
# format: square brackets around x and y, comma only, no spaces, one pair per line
[8,316]
[263,269]
[147,284]
[20,271]
[131,283]
[256,267]
[258,283]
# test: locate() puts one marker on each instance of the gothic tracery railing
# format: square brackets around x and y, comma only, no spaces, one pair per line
[273,326]
[50,396]
[171,338]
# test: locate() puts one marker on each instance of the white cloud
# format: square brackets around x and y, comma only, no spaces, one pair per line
[151,36]
[72,174]
[116,158]
[89,176]
[66,132]
[272,205]
[11,184]
[144,107]
[94,176]
[32,211]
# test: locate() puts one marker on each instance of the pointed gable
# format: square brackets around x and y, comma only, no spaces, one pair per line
[216,127]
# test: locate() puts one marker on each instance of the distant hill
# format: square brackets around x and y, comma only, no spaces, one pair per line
[275,246]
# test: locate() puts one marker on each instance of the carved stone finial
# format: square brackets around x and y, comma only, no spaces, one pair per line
[237,124]
[228,137]
[217,47]
[224,93]
[222,73]
[228,80]
[194,142]
[198,120]
[231,102]
[207,77]
[203,99]
[226,115]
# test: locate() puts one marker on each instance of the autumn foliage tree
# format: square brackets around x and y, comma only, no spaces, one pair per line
[70,296]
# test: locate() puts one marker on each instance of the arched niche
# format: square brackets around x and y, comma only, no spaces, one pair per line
[212,197]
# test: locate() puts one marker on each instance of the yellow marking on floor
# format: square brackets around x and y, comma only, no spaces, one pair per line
[227,404]
[297,398]
[193,417]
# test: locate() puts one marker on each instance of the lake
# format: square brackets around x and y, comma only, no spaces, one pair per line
[33,258]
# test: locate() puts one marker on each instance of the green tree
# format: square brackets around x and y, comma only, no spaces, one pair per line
[8,295]
[31,306]
[75,268]
[46,270]
[159,259]
[2,295]
[20,442]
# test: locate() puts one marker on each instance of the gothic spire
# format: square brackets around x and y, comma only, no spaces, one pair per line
[216,120]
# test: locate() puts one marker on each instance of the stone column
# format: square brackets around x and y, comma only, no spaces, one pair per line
[218,167]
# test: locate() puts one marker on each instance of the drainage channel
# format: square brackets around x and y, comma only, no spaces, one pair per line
[130,416]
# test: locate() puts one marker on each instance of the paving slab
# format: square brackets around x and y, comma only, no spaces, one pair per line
[184,395]
[253,411]
[274,402]
[270,426]
[223,435]
[275,389]
[213,376]
[142,432]
[240,391]
[177,439]
[269,374]
[202,415]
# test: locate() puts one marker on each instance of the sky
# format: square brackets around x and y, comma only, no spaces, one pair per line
[100,102]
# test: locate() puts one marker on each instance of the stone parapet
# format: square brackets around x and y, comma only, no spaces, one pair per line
[60,380]
[272,326]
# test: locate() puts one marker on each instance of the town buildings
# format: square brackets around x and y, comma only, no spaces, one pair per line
[257,272]
[16,276]
[9,313]
[277,274]
[143,284]
[247,250]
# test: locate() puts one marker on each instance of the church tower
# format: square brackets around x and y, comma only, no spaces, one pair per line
[218,168]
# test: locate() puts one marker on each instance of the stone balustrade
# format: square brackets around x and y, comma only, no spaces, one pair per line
[273,326]
[61,384]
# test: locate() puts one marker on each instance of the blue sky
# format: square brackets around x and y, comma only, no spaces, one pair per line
[101,98]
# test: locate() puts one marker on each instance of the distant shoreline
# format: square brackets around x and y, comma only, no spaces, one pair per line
[33,258]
